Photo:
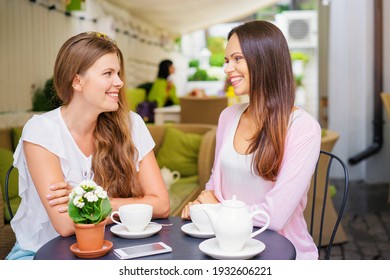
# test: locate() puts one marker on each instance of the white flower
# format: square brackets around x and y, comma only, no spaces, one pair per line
[91,197]
[78,201]
[79,190]
[76,191]
[101,193]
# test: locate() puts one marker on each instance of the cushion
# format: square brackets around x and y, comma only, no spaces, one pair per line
[180,190]
[16,134]
[6,160]
[179,151]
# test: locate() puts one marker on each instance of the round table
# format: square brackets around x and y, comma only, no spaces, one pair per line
[184,247]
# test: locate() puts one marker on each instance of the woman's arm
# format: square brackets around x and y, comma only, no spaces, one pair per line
[45,170]
[288,193]
[151,181]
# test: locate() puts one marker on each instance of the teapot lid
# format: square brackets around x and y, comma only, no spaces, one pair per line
[233,203]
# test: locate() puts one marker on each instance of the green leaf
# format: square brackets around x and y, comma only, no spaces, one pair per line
[106,208]
[74,213]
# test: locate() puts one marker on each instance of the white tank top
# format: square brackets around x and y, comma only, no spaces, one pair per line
[237,172]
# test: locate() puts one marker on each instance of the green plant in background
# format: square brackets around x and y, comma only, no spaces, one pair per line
[299,56]
[308,5]
[46,99]
[298,80]
[217,59]
[216,45]
[193,63]
[201,75]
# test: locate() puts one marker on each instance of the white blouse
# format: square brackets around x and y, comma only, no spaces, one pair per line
[31,223]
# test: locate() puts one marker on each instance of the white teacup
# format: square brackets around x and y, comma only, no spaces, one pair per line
[199,217]
[135,217]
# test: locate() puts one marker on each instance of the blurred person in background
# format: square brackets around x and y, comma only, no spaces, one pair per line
[163,91]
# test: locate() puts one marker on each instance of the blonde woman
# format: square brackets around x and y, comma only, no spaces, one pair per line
[91,134]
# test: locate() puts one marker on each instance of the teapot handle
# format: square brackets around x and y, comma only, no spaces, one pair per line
[263,228]
[176,176]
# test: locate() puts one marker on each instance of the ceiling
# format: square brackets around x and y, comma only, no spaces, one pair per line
[183,16]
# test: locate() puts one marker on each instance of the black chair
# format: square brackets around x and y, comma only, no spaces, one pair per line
[7,199]
[321,184]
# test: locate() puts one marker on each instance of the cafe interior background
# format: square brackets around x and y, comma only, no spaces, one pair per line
[342,81]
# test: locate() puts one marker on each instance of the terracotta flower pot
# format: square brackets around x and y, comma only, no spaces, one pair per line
[90,237]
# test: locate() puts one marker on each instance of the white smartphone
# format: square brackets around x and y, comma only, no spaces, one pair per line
[142,250]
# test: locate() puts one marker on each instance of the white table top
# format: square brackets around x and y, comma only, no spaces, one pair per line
[168,109]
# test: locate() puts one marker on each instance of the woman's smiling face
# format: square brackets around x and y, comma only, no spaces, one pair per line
[236,67]
[101,83]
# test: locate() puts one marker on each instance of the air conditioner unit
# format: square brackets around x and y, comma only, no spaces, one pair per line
[299,28]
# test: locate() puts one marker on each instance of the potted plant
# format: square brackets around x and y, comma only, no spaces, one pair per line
[46,99]
[89,207]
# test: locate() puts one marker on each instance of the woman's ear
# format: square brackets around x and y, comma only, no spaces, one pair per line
[77,83]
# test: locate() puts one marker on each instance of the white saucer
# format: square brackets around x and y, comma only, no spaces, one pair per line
[192,230]
[123,232]
[251,248]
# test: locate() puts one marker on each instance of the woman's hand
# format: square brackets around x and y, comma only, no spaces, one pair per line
[185,214]
[59,195]
[207,196]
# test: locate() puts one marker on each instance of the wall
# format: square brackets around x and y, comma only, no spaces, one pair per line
[351,86]
[31,35]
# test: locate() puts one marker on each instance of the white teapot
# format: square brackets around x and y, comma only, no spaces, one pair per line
[169,176]
[232,224]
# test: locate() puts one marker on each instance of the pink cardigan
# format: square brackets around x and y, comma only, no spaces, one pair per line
[286,200]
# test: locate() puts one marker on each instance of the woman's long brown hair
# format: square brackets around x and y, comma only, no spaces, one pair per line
[272,92]
[114,157]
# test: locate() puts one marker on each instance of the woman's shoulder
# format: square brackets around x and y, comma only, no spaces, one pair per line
[44,120]
[138,125]
[303,121]
[136,119]
[231,111]
[228,114]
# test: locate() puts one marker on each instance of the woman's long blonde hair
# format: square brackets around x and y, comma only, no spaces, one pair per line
[272,92]
[114,156]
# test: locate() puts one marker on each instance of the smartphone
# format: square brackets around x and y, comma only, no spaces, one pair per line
[142,250]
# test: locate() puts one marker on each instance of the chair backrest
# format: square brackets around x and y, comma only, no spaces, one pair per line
[204,110]
[320,194]
[7,198]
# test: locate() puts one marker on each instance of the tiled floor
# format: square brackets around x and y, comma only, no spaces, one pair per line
[367,223]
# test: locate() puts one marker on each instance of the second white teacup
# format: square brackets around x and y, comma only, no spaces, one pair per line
[199,217]
[135,217]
